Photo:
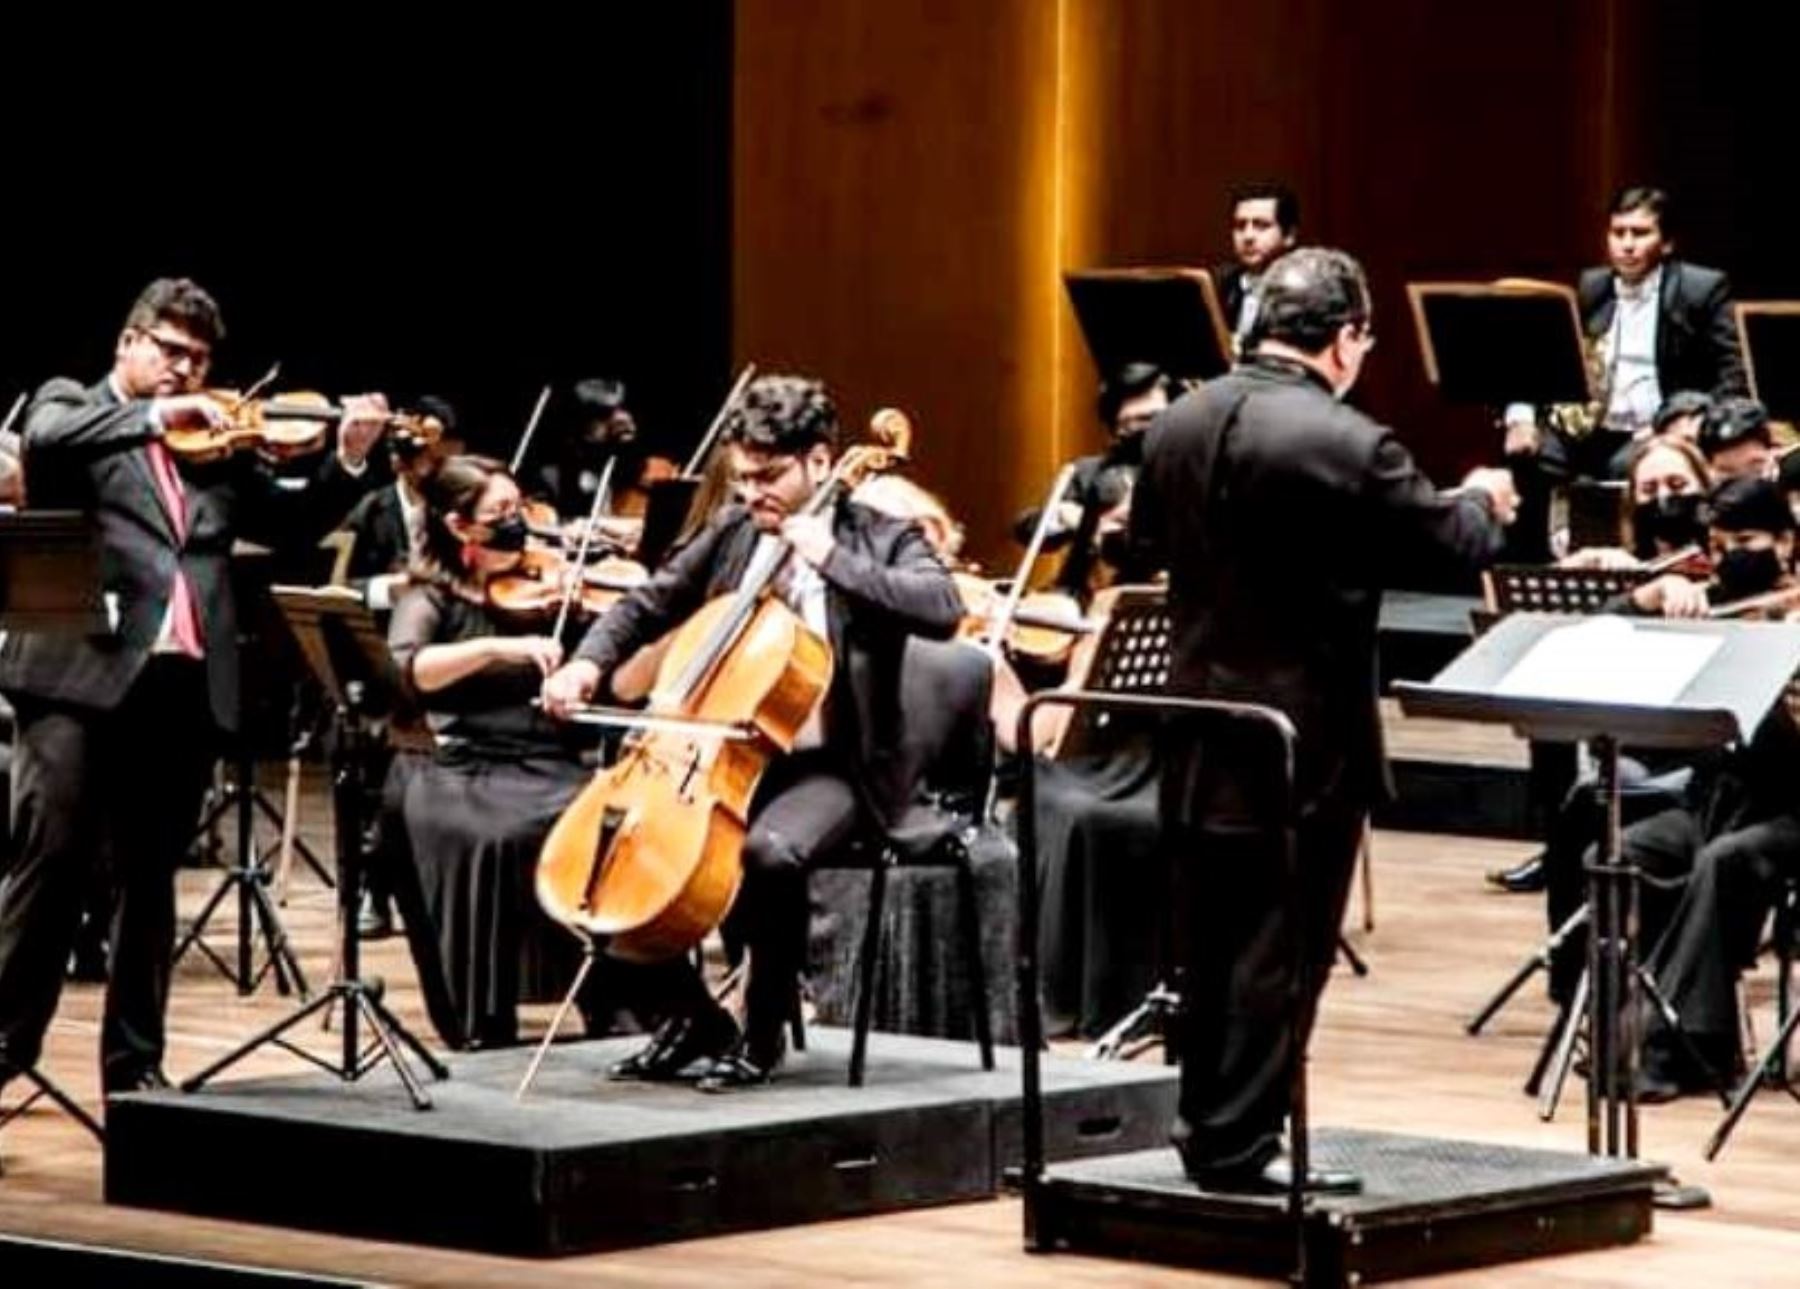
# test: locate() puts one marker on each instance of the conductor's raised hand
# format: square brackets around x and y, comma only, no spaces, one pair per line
[1502,493]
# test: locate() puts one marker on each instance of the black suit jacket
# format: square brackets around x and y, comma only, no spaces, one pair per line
[379,525]
[1696,335]
[84,450]
[1280,514]
[1228,279]
[883,583]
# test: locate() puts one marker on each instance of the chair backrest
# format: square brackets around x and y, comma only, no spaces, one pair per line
[946,740]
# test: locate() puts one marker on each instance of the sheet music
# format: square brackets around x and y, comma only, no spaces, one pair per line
[1610,660]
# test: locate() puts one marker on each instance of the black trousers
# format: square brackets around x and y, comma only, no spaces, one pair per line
[130,779]
[1713,933]
[805,808]
[1237,1040]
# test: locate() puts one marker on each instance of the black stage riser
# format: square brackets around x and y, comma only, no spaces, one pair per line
[50,1262]
[1431,1207]
[1459,798]
[586,1165]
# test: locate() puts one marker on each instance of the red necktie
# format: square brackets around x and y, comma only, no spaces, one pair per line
[184,610]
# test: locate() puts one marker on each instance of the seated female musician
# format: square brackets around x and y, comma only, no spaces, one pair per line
[475,814]
[1736,834]
[1667,481]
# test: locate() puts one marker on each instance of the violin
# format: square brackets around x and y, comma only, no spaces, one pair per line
[1043,628]
[545,578]
[648,854]
[288,426]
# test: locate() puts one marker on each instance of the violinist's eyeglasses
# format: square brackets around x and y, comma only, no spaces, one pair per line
[176,351]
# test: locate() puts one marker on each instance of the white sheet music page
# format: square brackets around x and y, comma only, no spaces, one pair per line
[1610,660]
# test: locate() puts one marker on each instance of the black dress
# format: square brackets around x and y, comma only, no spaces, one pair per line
[474,816]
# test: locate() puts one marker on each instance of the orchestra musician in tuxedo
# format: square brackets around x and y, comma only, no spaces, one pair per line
[118,730]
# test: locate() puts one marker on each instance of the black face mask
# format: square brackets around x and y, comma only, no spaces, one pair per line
[1743,573]
[1673,519]
[507,535]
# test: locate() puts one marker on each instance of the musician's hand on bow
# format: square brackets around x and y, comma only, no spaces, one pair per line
[365,418]
[810,536]
[570,688]
[1523,437]
[1672,596]
[1502,495]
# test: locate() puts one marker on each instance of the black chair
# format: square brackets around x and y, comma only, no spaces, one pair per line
[1770,1067]
[946,747]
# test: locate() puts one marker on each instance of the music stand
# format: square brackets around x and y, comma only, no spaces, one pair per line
[1493,343]
[348,655]
[1537,588]
[665,514]
[1654,683]
[50,580]
[1769,332]
[1167,316]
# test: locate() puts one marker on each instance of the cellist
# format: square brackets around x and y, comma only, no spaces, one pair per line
[863,580]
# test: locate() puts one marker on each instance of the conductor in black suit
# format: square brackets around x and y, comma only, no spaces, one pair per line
[1240,479]
[117,730]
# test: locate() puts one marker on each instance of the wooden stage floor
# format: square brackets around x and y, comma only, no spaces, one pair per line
[1391,1054]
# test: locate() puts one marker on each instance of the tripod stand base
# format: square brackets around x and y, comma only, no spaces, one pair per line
[44,1088]
[360,1003]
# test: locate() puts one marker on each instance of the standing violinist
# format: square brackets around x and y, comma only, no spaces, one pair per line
[866,582]
[118,730]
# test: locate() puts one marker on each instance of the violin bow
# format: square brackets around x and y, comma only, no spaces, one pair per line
[12,413]
[537,414]
[711,436]
[581,550]
[998,624]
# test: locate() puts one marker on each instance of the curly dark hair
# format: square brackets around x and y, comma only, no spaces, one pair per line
[181,301]
[786,415]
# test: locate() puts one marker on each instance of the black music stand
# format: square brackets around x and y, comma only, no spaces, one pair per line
[1769,331]
[50,582]
[1200,718]
[1493,343]
[1131,657]
[347,653]
[250,877]
[665,514]
[1619,693]
[1538,588]
[1167,316]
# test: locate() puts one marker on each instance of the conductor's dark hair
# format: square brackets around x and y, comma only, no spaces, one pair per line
[786,415]
[1309,295]
[1123,384]
[1287,205]
[181,301]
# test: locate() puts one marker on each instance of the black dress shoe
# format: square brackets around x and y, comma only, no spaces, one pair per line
[677,1044]
[1521,879]
[374,918]
[150,1080]
[748,1065]
[1278,1174]
[1273,1177]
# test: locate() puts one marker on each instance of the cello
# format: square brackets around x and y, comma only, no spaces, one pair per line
[647,856]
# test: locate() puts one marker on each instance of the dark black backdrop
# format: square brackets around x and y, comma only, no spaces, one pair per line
[456,211]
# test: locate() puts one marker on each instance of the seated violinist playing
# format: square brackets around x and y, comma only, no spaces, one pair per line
[1667,480]
[864,581]
[475,814]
